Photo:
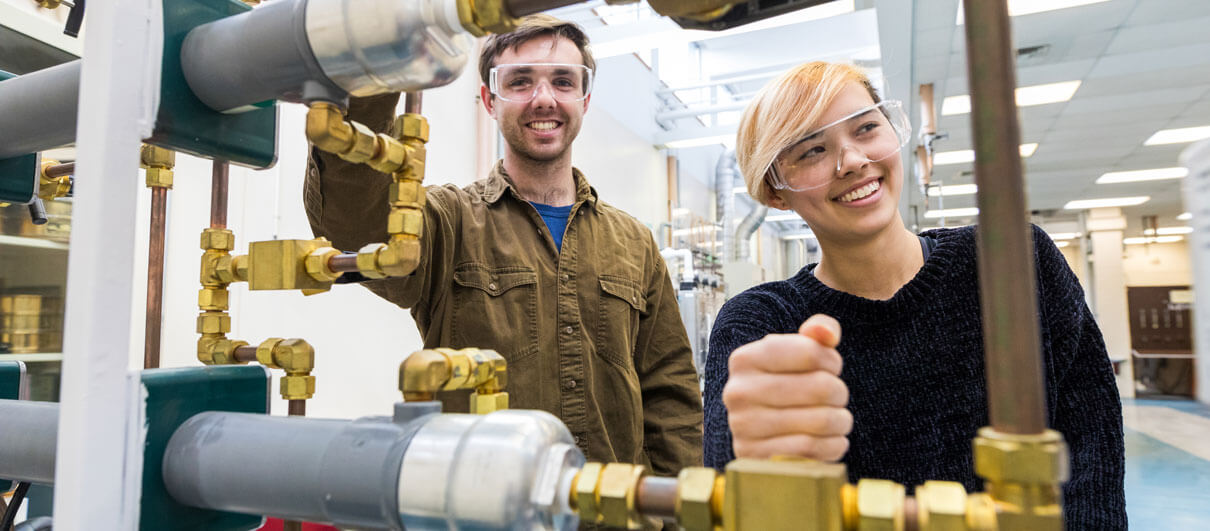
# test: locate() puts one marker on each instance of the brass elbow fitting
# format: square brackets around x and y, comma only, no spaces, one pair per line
[481,17]
[425,372]
[1023,474]
[330,132]
[297,358]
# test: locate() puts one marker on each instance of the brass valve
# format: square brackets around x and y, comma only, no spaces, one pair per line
[1023,474]
[290,264]
[425,372]
[758,493]
[297,358]
[52,187]
[159,163]
[608,494]
[481,17]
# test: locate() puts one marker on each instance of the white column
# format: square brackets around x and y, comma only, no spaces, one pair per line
[96,472]
[1105,226]
[1197,201]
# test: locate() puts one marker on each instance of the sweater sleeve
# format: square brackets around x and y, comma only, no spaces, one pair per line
[747,317]
[1085,406]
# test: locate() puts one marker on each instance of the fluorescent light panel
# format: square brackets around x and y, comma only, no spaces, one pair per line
[1107,202]
[1168,231]
[1065,236]
[952,213]
[1062,244]
[968,155]
[1156,174]
[1152,239]
[1026,96]
[804,236]
[1185,216]
[953,189]
[1178,136]
[784,217]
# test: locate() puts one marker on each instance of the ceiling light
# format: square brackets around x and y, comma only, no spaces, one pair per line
[1156,174]
[739,190]
[701,230]
[700,141]
[1167,231]
[1026,96]
[1185,217]
[1065,236]
[1082,204]
[784,217]
[803,236]
[678,212]
[953,189]
[952,213]
[1017,8]
[1062,244]
[1178,136]
[968,155]
[1152,239]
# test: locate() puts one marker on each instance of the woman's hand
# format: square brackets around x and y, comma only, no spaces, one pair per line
[785,395]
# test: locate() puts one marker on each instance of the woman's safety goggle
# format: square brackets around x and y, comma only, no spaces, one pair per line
[871,134]
[521,82]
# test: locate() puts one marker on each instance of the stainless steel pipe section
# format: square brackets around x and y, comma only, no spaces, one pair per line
[28,435]
[38,110]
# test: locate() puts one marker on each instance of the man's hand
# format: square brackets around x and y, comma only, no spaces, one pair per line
[785,395]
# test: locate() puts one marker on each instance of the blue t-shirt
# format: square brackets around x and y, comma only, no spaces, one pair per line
[556,220]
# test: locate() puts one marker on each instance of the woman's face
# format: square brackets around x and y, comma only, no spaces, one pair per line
[854,198]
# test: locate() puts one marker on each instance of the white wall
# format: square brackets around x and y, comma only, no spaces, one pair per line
[1159,264]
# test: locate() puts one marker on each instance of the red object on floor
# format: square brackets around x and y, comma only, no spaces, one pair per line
[275,524]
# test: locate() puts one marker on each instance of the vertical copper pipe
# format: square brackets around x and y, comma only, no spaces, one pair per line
[411,102]
[1016,403]
[155,278]
[297,408]
[656,497]
[218,194]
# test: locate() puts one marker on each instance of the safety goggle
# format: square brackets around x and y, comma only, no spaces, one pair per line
[521,82]
[872,133]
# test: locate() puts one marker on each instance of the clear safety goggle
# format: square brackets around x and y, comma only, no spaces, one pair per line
[872,133]
[521,82]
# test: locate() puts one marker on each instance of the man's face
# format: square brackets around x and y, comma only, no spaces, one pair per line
[542,129]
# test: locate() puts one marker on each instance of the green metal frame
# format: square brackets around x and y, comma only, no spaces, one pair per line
[19,178]
[12,381]
[183,122]
[173,396]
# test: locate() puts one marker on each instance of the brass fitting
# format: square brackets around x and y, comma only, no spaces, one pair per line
[282,264]
[880,505]
[405,221]
[327,128]
[411,126]
[425,372]
[484,403]
[389,156]
[481,17]
[49,4]
[212,299]
[422,374]
[159,163]
[941,506]
[694,493]
[367,260]
[400,256]
[583,497]
[217,240]
[1023,474]
[297,358]
[239,268]
[404,193]
[700,10]
[616,495]
[222,351]
[316,264]
[759,492]
[364,147]
[213,323]
[981,513]
[413,167]
[52,187]
[297,387]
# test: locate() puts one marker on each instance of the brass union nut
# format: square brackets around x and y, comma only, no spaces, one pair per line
[213,323]
[482,404]
[264,352]
[880,504]
[405,221]
[406,194]
[367,260]
[297,387]
[159,178]
[941,506]
[411,126]
[316,264]
[217,240]
[694,490]
[212,299]
[389,155]
[585,493]
[222,351]
[619,482]
[1030,459]
[156,157]
[364,144]
[327,128]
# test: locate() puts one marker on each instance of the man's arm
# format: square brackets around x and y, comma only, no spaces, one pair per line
[672,403]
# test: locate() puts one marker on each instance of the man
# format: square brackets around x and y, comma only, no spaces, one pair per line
[529,262]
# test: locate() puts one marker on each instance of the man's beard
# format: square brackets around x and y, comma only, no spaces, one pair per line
[522,149]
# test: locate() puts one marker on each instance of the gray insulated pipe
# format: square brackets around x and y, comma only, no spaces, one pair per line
[29,432]
[751,222]
[725,175]
[38,110]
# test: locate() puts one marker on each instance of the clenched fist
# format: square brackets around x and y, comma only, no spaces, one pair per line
[785,395]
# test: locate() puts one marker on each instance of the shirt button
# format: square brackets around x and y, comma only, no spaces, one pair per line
[491,286]
[569,330]
[566,277]
[571,384]
[577,437]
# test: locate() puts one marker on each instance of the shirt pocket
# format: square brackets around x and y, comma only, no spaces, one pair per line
[496,308]
[622,305]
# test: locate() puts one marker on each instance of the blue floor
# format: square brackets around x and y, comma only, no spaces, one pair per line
[1167,487]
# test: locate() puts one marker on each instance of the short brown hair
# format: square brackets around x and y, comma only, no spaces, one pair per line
[531,27]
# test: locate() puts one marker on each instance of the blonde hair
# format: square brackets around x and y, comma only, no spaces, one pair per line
[783,112]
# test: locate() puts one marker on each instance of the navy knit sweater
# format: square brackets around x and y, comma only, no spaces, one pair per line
[914,368]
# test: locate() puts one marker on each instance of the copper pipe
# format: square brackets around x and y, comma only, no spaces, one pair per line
[155,279]
[245,354]
[219,174]
[59,170]
[343,263]
[411,102]
[298,408]
[1005,245]
[290,525]
[911,514]
[656,497]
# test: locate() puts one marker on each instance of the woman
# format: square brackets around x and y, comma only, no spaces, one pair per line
[818,141]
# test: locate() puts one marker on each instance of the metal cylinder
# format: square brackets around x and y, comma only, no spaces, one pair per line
[238,61]
[372,47]
[1016,395]
[28,434]
[38,110]
[319,470]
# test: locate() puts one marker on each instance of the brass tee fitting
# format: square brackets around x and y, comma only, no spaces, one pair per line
[1023,474]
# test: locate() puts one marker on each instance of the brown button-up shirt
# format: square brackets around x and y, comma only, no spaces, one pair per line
[591,332]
